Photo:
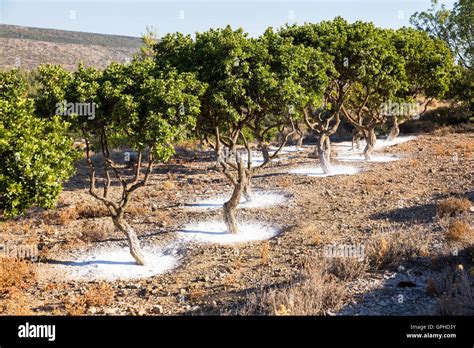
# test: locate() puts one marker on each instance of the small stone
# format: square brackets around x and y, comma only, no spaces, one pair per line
[157,309]
[92,310]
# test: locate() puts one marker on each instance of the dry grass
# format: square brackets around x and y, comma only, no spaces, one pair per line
[86,210]
[17,303]
[15,274]
[265,253]
[136,209]
[452,207]
[347,268]
[96,230]
[458,230]
[456,295]
[96,295]
[168,185]
[391,248]
[99,295]
[316,292]
[444,131]
[74,305]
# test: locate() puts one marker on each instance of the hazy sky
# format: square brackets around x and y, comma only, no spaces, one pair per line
[128,17]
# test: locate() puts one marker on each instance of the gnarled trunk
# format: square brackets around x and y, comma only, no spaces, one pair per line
[230,206]
[247,191]
[324,153]
[299,132]
[356,139]
[371,139]
[133,242]
[395,130]
[264,149]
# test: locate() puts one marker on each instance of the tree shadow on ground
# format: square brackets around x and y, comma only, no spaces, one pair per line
[406,291]
[424,213]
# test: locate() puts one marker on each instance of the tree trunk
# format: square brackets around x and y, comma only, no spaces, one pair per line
[247,191]
[264,149]
[230,207]
[356,139]
[395,130]
[299,142]
[371,139]
[300,134]
[133,242]
[324,153]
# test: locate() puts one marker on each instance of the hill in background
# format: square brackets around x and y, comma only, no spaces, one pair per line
[29,47]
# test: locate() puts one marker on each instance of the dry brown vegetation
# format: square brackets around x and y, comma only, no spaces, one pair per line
[15,274]
[96,296]
[390,248]
[317,291]
[456,296]
[15,277]
[453,207]
[458,230]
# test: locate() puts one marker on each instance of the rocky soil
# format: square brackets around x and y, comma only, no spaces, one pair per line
[399,196]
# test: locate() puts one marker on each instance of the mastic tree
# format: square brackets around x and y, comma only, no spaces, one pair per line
[147,109]
[455,27]
[286,78]
[428,65]
[381,76]
[36,154]
[342,42]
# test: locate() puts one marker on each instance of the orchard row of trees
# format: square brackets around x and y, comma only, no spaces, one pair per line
[221,87]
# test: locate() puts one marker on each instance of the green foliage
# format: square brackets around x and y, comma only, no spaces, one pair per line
[37,155]
[428,62]
[456,30]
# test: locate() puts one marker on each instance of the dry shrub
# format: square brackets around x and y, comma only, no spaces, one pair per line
[388,249]
[265,253]
[17,303]
[316,292]
[347,268]
[96,231]
[458,230]
[86,210]
[443,131]
[431,287]
[15,274]
[162,217]
[99,295]
[74,305]
[453,207]
[17,226]
[168,185]
[196,294]
[440,150]
[96,295]
[134,210]
[63,216]
[456,294]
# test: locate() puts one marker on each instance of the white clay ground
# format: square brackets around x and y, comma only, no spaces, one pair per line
[318,171]
[259,200]
[116,263]
[113,263]
[215,232]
